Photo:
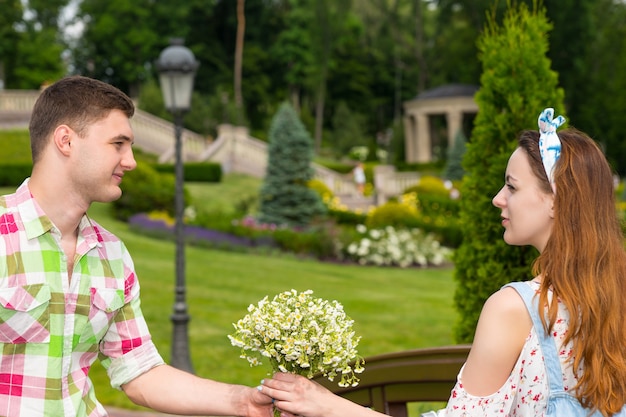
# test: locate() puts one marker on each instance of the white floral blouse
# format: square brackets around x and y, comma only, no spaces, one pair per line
[526,390]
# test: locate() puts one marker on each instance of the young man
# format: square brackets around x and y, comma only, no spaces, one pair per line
[68,289]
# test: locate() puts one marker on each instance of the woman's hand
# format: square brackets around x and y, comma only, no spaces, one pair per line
[295,395]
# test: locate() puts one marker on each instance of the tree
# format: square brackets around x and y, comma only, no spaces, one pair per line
[11,13]
[103,53]
[46,12]
[211,34]
[292,51]
[420,34]
[454,168]
[601,112]
[327,25]
[347,130]
[241,30]
[38,60]
[571,44]
[378,69]
[285,198]
[31,44]
[516,85]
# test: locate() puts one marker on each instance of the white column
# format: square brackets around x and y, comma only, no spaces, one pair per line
[424,146]
[410,137]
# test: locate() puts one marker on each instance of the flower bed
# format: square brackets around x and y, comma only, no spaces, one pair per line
[197,234]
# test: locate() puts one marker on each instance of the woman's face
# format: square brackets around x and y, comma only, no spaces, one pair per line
[526,210]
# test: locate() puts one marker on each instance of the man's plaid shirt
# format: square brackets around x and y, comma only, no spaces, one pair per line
[52,328]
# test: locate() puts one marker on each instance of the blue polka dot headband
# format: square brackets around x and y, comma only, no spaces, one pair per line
[549,142]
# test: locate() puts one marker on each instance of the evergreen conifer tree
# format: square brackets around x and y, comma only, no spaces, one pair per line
[285,198]
[516,85]
[454,168]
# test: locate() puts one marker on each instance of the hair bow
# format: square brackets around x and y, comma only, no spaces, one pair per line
[549,142]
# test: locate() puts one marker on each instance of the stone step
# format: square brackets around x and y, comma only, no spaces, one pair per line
[357,202]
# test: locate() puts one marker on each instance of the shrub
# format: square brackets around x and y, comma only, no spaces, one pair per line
[429,184]
[321,189]
[437,205]
[393,213]
[347,217]
[430,168]
[145,190]
[14,174]
[225,221]
[337,212]
[389,246]
[340,167]
[317,240]
[195,171]
[439,212]
[446,228]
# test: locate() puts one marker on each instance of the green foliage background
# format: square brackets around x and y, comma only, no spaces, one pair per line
[361,59]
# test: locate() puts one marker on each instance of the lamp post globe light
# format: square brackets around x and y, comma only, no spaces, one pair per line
[177,69]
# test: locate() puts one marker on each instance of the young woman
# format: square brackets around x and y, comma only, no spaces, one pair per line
[558,197]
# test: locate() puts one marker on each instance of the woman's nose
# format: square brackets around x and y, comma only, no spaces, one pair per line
[498,199]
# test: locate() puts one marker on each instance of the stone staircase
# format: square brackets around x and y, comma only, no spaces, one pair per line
[357,202]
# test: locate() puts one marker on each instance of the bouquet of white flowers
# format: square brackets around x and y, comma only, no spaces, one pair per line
[302,335]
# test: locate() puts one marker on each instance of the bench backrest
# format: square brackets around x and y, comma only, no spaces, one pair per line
[392,380]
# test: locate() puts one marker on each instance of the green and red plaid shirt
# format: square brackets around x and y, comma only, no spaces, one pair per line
[52,329]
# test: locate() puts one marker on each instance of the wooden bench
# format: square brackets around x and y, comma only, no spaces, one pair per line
[392,380]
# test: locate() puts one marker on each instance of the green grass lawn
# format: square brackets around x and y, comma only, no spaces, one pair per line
[220,197]
[394,309]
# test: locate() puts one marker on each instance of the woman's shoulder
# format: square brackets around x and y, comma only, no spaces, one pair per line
[503,327]
[505,303]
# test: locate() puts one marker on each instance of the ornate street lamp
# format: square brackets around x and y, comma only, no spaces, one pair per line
[177,68]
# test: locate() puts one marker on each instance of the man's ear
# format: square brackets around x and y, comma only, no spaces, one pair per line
[62,139]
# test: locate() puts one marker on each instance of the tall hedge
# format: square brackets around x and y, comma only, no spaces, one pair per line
[285,198]
[516,85]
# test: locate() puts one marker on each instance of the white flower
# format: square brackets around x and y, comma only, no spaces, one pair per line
[300,334]
[389,246]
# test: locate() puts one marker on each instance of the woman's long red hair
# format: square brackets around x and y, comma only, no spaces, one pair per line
[584,263]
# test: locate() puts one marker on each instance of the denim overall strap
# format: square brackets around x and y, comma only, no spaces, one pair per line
[548,346]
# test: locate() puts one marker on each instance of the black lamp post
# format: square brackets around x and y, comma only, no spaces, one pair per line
[177,68]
